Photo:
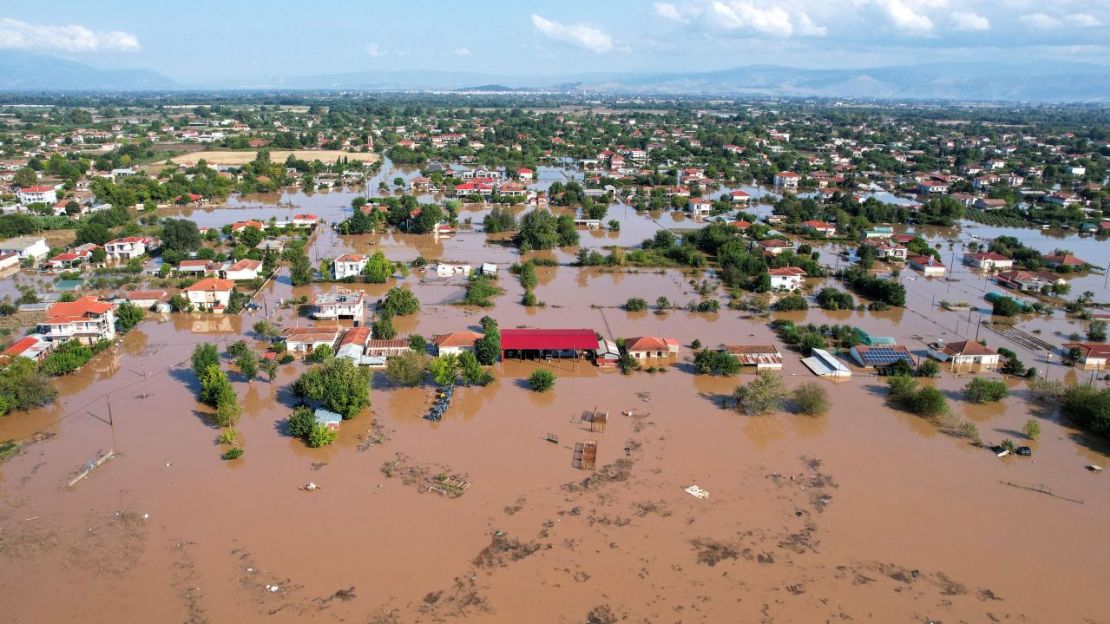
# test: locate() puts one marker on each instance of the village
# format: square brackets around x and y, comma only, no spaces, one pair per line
[537,296]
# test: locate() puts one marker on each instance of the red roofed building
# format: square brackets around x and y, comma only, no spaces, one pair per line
[524,173]
[643,347]
[210,294]
[37,195]
[548,342]
[242,225]
[819,227]
[455,342]
[87,320]
[786,278]
[988,261]
[739,196]
[33,347]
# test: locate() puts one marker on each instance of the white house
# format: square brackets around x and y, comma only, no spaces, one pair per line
[786,278]
[87,320]
[451,270]
[210,294]
[343,304]
[37,195]
[787,180]
[243,270]
[643,347]
[26,247]
[928,265]
[988,261]
[965,355]
[455,342]
[305,340]
[349,265]
[8,260]
[1092,356]
[124,249]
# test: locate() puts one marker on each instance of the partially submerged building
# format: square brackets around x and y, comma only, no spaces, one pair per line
[824,364]
[547,343]
[762,357]
[348,304]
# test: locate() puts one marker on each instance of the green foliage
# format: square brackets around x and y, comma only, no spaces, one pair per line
[790,303]
[1047,389]
[499,220]
[488,348]
[811,399]
[928,368]
[708,362]
[541,380]
[300,422]
[541,229]
[1096,331]
[204,356]
[407,369]
[1089,408]
[67,358]
[1006,306]
[300,269]
[881,290]
[1011,364]
[970,431]
[238,348]
[444,369]
[128,316]
[23,387]
[338,384]
[378,269]
[399,302]
[901,387]
[248,364]
[227,436]
[383,328]
[321,435]
[765,394]
[321,353]
[479,290]
[472,371]
[267,330]
[180,236]
[980,390]
[232,453]
[418,344]
[1032,429]
[926,401]
[635,304]
[834,299]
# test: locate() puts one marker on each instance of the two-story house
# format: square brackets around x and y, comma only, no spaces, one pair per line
[87,320]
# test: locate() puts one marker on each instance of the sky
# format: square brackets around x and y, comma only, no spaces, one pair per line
[205,41]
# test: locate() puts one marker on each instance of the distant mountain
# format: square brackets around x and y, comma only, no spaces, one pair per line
[1033,81]
[23,71]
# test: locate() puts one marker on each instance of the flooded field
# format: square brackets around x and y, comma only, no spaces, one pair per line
[865,513]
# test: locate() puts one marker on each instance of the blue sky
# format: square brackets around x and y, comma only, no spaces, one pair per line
[251,42]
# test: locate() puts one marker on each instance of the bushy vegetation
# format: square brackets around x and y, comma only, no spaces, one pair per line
[407,369]
[720,363]
[1089,408]
[399,302]
[924,401]
[881,290]
[24,387]
[834,299]
[480,289]
[338,385]
[541,380]
[790,303]
[541,229]
[980,390]
[765,394]
[811,399]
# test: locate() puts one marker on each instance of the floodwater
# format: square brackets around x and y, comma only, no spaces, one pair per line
[864,513]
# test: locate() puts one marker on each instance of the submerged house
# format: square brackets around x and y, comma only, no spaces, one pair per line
[644,347]
[350,304]
[965,355]
[762,357]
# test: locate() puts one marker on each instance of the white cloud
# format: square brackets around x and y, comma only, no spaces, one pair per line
[374,50]
[581,35]
[1083,20]
[15,34]
[906,16]
[808,28]
[1041,20]
[741,14]
[968,20]
[666,10]
[460,52]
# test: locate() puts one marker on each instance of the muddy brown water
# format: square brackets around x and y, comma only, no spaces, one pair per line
[864,513]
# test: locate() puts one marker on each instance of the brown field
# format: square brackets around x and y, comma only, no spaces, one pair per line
[235,157]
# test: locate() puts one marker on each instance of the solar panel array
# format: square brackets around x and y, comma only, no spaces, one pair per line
[884,356]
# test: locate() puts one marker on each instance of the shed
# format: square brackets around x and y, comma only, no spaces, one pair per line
[825,364]
[551,341]
[327,418]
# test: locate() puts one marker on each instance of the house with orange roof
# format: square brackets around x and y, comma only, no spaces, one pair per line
[87,320]
[129,247]
[349,265]
[644,347]
[212,294]
[243,270]
[34,347]
[455,342]
[786,278]
[253,223]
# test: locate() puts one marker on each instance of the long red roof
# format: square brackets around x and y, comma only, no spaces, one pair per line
[556,339]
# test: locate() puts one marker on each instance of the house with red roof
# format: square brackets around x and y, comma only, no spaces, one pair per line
[243,270]
[212,294]
[786,278]
[644,347]
[739,197]
[775,246]
[988,261]
[1092,355]
[43,194]
[349,265]
[525,174]
[87,320]
[928,265]
[305,220]
[455,342]
[34,347]
[129,247]
[68,259]
[242,225]
[820,228]
[1065,260]
[787,180]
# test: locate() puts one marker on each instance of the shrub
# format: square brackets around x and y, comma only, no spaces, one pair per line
[418,343]
[23,387]
[811,398]
[790,303]
[1089,408]
[529,299]
[204,355]
[1032,429]
[406,369]
[128,316]
[227,436]
[320,435]
[1096,331]
[248,365]
[1046,389]
[762,395]
[928,401]
[1006,306]
[232,453]
[321,353]
[338,384]
[300,422]
[901,387]
[399,302]
[981,390]
[970,431]
[635,304]
[479,291]
[928,368]
[67,358]
[383,328]
[541,380]
[834,299]
[708,362]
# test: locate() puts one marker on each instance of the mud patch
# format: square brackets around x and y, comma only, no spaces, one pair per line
[503,550]
[710,552]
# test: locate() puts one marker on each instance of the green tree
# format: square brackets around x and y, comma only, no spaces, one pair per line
[1006,306]
[378,269]
[321,435]
[214,385]
[444,369]
[980,390]
[811,398]
[338,384]
[25,177]
[635,304]
[707,362]
[765,394]
[300,422]
[418,343]
[270,367]
[1089,408]
[488,348]
[23,387]
[204,356]
[1096,331]
[267,330]
[541,380]
[399,302]
[383,328]
[407,369]
[928,401]
[472,371]
[180,235]
[248,365]
[128,316]
[321,353]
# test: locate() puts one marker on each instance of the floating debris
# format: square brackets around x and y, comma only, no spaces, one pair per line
[697,492]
